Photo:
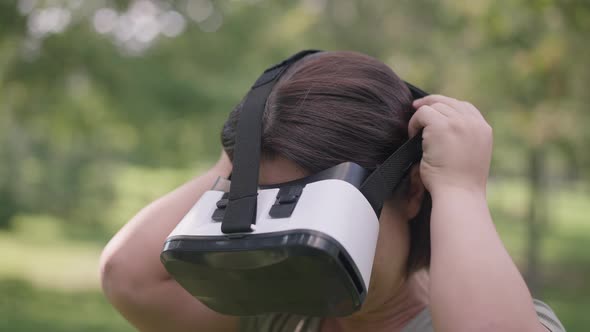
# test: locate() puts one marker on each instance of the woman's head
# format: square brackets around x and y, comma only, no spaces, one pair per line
[334,107]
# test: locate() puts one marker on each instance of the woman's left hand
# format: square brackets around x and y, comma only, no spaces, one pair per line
[456,142]
[471,273]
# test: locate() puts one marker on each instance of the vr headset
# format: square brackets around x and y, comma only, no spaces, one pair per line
[304,247]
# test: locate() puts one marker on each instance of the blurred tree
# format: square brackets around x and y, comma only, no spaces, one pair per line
[76,103]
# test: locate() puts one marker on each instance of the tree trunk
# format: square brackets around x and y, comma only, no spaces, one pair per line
[537,214]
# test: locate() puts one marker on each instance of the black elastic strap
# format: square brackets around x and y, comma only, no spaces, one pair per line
[417,93]
[380,184]
[240,212]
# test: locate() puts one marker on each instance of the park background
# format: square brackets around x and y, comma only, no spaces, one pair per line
[106,105]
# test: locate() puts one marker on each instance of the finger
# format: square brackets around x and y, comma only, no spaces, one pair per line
[433,99]
[445,110]
[473,110]
[424,116]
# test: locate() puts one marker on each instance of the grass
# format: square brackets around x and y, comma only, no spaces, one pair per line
[26,308]
[49,280]
[564,255]
[51,284]
[49,267]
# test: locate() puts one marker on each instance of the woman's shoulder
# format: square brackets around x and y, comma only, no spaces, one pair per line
[421,323]
[547,317]
[279,322]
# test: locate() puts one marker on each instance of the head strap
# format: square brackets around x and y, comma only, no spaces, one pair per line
[380,184]
[240,213]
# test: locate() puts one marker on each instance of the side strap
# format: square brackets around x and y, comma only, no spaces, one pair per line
[383,181]
[380,184]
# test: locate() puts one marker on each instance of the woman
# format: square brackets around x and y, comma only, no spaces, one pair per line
[439,262]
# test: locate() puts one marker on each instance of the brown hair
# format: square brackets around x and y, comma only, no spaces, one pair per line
[333,107]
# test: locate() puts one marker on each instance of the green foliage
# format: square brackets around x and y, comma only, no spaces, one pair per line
[76,103]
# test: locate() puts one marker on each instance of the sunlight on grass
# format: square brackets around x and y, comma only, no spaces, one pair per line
[27,308]
[39,249]
[49,279]
[564,254]
[37,252]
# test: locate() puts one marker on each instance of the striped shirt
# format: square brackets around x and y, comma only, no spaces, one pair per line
[421,323]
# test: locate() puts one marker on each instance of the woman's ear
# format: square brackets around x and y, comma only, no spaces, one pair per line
[415,193]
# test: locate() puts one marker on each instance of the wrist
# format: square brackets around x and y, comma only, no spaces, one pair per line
[458,191]
[455,208]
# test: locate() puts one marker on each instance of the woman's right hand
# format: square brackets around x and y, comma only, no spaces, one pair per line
[456,142]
